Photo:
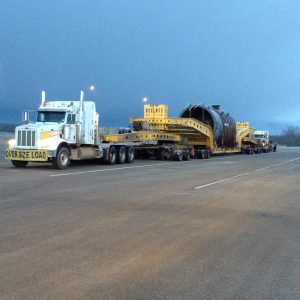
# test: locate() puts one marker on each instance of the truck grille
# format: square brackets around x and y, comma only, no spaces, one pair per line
[26,138]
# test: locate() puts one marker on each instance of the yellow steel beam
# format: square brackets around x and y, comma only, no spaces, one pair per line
[242,134]
[140,136]
[174,124]
[250,140]
[182,126]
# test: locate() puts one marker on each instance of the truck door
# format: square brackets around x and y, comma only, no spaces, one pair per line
[70,130]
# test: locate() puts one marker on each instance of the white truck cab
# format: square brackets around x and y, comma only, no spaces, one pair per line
[62,129]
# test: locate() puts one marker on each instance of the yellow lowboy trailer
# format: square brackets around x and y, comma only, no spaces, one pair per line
[187,135]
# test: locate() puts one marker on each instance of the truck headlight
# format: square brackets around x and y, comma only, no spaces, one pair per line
[12,143]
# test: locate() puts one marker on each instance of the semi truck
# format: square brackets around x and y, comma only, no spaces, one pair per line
[69,130]
[263,139]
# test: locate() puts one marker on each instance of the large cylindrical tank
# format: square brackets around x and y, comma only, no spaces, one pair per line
[223,125]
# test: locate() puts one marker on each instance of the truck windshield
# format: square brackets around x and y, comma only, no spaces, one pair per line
[51,116]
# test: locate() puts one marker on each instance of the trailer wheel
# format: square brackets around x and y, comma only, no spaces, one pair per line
[62,159]
[186,155]
[19,163]
[249,151]
[159,154]
[193,153]
[200,154]
[130,155]
[166,154]
[112,155]
[121,158]
[178,155]
[207,154]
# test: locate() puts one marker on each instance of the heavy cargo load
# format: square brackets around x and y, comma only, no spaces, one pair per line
[223,125]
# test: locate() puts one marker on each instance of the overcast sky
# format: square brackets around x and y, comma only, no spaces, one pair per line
[243,55]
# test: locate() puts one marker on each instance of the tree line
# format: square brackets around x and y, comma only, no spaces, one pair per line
[289,137]
[7,127]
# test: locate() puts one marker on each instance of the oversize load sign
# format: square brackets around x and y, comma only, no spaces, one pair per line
[26,155]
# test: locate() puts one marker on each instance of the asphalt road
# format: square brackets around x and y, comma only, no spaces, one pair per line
[224,228]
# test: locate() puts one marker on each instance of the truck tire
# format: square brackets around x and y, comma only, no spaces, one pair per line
[207,154]
[159,154]
[166,154]
[178,155]
[200,154]
[249,151]
[112,155]
[130,153]
[121,158]
[62,159]
[193,153]
[19,163]
[163,154]
[186,155]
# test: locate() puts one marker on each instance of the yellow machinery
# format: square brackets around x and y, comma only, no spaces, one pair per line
[163,128]
[157,126]
[243,130]
[190,131]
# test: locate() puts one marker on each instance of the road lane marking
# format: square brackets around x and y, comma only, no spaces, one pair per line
[265,168]
[114,169]
[243,174]
[158,164]
[122,168]
[278,164]
[222,180]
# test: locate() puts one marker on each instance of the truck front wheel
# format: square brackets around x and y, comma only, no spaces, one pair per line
[62,159]
[19,163]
